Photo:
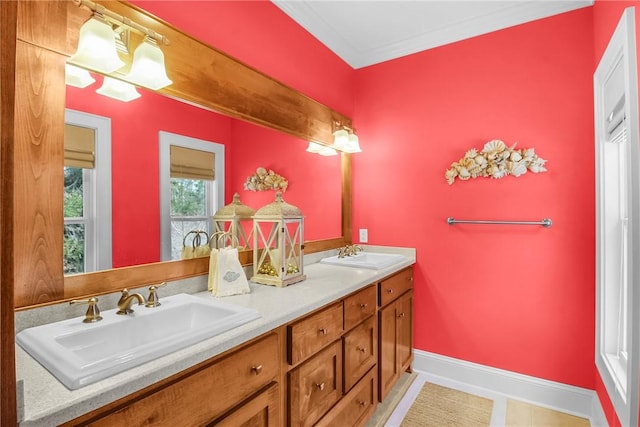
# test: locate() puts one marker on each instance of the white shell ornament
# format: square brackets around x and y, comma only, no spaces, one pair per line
[496,160]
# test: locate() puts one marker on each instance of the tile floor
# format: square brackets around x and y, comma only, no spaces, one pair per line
[506,412]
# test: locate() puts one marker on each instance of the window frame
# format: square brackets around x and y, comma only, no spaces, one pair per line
[96,192]
[165,141]
[620,377]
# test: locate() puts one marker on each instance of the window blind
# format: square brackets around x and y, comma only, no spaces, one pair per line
[79,147]
[192,164]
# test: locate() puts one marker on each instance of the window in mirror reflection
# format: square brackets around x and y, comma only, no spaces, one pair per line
[87,204]
[192,198]
[191,190]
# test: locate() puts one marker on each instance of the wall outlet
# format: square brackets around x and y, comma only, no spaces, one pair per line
[364,235]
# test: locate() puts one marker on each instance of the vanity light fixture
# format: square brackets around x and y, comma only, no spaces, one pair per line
[97,49]
[345,138]
[76,76]
[117,89]
[353,146]
[323,150]
[97,46]
[148,66]
[340,138]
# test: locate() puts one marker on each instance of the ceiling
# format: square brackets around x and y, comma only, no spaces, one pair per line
[367,32]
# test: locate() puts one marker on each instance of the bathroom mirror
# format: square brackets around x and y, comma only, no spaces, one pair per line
[134,163]
[234,90]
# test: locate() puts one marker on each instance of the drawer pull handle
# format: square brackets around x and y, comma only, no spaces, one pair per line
[256,369]
[320,386]
[363,305]
[362,403]
[361,349]
[401,315]
[389,291]
[323,331]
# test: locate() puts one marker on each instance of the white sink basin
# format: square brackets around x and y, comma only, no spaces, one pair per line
[79,353]
[370,260]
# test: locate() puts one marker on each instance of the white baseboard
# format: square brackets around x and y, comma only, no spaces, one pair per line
[562,397]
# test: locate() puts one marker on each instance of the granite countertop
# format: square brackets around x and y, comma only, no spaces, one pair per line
[46,401]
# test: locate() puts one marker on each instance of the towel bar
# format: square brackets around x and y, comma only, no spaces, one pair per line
[546,222]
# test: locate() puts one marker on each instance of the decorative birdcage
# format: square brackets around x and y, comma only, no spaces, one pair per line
[278,236]
[234,221]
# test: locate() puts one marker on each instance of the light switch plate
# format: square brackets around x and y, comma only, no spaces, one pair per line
[364,235]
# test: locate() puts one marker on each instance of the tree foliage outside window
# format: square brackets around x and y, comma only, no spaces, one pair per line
[189,211]
[74,233]
[188,197]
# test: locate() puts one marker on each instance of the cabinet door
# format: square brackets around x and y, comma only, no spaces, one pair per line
[315,386]
[359,351]
[388,366]
[404,331]
[356,407]
[262,410]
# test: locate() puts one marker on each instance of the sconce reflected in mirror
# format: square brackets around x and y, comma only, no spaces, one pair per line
[323,150]
[116,89]
[76,76]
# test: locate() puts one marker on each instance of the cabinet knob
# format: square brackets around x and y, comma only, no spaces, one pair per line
[320,386]
[361,349]
[401,315]
[362,403]
[363,305]
[389,291]
[323,331]
[410,278]
[256,369]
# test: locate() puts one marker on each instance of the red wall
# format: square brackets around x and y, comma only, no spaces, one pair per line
[606,15]
[264,37]
[516,298]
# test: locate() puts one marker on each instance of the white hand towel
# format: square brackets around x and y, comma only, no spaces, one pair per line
[230,278]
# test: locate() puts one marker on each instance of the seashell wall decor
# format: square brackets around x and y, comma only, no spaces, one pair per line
[496,160]
[264,180]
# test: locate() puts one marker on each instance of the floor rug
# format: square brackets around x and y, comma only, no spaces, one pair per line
[437,406]
[521,414]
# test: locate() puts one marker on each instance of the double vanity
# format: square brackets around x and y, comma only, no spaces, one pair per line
[325,349]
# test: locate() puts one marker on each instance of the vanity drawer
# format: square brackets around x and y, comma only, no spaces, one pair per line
[310,334]
[394,286]
[207,393]
[315,386]
[359,306]
[360,353]
[356,407]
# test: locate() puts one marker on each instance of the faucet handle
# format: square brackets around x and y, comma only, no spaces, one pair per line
[153,300]
[93,312]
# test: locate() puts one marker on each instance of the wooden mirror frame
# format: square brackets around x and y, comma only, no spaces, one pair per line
[202,76]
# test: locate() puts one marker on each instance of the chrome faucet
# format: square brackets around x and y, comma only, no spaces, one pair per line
[125,301]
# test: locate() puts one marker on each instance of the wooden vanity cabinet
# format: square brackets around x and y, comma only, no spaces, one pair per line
[240,385]
[328,381]
[259,411]
[328,368]
[395,322]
